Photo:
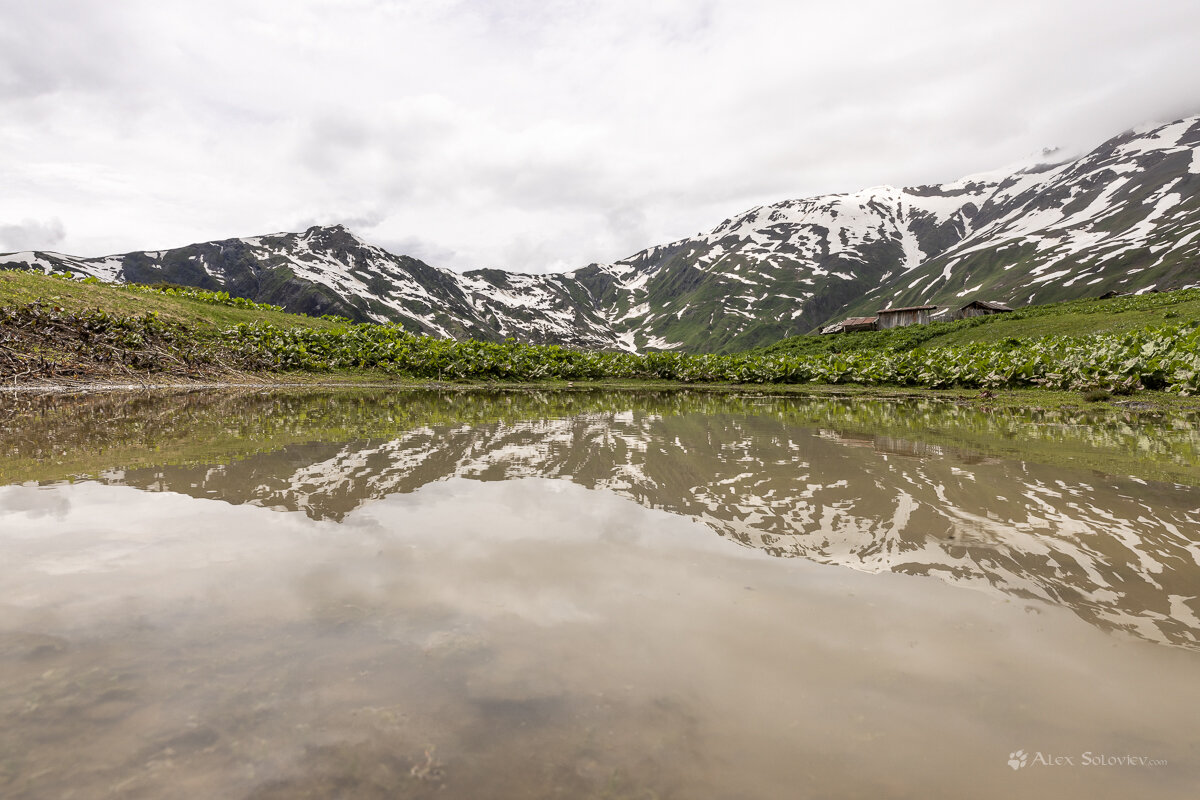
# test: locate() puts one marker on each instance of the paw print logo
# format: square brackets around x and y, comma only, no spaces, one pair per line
[1018,759]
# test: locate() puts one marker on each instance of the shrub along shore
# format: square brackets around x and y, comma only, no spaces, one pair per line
[41,341]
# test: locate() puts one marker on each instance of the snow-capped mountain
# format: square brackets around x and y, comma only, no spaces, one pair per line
[1124,217]
[777,270]
[329,270]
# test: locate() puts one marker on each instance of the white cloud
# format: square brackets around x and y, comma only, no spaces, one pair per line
[31,233]
[536,135]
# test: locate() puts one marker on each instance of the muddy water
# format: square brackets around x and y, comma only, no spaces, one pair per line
[630,596]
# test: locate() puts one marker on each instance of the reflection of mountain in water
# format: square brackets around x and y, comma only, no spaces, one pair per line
[1118,551]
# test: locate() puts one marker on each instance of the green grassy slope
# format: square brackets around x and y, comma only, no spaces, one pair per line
[19,288]
[1070,318]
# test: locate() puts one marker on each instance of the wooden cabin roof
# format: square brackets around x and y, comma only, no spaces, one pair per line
[991,304]
[908,308]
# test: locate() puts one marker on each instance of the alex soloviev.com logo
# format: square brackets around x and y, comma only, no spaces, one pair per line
[1020,759]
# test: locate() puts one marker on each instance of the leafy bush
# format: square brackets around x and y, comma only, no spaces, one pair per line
[204,296]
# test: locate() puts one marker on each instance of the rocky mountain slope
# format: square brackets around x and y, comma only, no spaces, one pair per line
[1124,217]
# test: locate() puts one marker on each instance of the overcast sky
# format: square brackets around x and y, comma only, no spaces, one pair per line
[537,135]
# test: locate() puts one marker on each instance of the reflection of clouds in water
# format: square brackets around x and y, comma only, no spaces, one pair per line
[31,502]
[537,621]
[530,541]
[526,548]
[489,514]
[144,552]
[529,548]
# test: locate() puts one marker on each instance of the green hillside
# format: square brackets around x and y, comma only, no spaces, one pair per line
[1071,318]
[191,307]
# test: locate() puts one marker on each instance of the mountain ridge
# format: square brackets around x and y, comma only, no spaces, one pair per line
[1123,217]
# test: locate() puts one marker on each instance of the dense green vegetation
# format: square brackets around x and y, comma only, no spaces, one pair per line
[191,293]
[1155,358]
[43,340]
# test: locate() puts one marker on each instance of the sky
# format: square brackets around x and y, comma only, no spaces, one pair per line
[536,135]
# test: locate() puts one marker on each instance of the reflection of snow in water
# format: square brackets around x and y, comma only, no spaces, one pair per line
[1113,550]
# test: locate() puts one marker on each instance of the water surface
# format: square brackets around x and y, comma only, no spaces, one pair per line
[683,595]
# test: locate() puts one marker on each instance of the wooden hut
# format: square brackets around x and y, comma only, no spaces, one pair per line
[860,324]
[981,308]
[899,317]
[851,324]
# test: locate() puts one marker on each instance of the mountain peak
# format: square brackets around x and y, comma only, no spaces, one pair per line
[331,237]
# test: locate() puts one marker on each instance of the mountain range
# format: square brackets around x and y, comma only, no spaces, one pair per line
[1124,217]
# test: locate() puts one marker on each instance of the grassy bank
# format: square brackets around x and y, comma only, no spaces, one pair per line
[81,330]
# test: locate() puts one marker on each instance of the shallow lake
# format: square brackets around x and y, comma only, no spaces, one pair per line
[581,595]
